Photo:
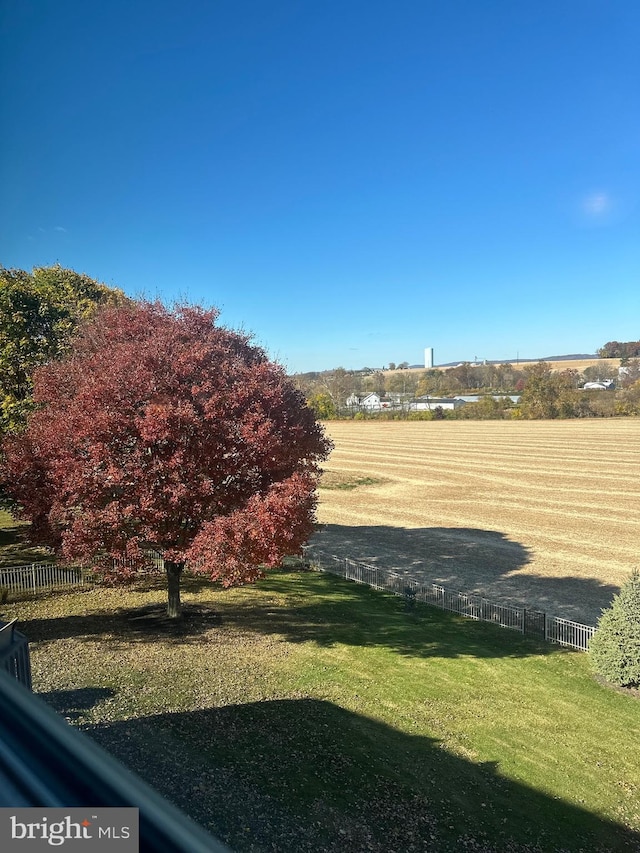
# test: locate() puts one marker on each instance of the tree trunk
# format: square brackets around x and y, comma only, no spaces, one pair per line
[174,573]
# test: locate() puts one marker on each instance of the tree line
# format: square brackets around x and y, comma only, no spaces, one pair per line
[616,349]
[543,392]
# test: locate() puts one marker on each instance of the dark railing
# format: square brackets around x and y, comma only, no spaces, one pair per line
[14,653]
[44,762]
[533,622]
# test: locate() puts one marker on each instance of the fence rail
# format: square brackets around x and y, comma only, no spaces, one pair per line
[41,577]
[531,622]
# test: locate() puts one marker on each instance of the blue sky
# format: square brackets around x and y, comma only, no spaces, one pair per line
[350,181]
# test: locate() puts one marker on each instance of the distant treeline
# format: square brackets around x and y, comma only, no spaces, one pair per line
[620,349]
[541,391]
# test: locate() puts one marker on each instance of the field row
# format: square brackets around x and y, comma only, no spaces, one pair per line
[543,513]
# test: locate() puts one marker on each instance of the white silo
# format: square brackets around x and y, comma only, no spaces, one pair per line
[428,357]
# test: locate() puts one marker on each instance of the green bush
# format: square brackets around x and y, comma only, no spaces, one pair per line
[615,647]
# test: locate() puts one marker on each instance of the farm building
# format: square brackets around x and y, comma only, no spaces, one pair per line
[374,402]
[604,385]
[370,402]
[427,404]
[475,398]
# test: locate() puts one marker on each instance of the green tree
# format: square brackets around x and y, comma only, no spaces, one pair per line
[39,312]
[627,401]
[487,408]
[615,647]
[322,405]
[547,394]
[600,371]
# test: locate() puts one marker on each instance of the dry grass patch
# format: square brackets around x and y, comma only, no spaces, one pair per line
[352,480]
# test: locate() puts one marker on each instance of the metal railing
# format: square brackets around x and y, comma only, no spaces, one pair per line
[14,653]
[44,763]
[41,577]
[531,622]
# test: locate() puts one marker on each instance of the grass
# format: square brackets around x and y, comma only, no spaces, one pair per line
[307,713]
[346,482]
[15,548]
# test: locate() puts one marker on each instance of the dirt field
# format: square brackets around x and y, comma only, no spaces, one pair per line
[563,364]
[542,513]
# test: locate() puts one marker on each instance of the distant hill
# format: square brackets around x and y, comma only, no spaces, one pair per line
[575,361]
[575,357]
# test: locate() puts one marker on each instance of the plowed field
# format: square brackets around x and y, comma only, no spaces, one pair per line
[540,513]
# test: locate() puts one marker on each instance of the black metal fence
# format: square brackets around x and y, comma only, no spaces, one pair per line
[532,622]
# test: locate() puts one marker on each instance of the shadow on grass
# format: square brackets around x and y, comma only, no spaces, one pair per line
[73,704]
[328,610]
[470,560]
[146,624]
[307,775]
[301,607]
[16,548]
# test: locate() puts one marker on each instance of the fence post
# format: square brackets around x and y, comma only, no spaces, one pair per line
[33,577]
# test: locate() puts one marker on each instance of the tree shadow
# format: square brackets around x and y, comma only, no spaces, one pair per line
[483,562]
[16,547]
[329,611]
[309,607]
[123,627]
[307,775]
[73,704]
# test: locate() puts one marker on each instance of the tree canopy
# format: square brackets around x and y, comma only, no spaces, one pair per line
[620,349]
[615,646]
[162,429]
[547,394]
[39,312]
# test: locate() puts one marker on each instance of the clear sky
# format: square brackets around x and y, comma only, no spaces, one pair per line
[351,181]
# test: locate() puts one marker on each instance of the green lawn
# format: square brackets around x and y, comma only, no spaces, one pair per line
[15,548]
[309,713]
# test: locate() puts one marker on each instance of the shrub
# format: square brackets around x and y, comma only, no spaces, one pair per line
[615,647]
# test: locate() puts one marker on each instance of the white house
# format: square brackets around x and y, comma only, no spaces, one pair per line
[372,402]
